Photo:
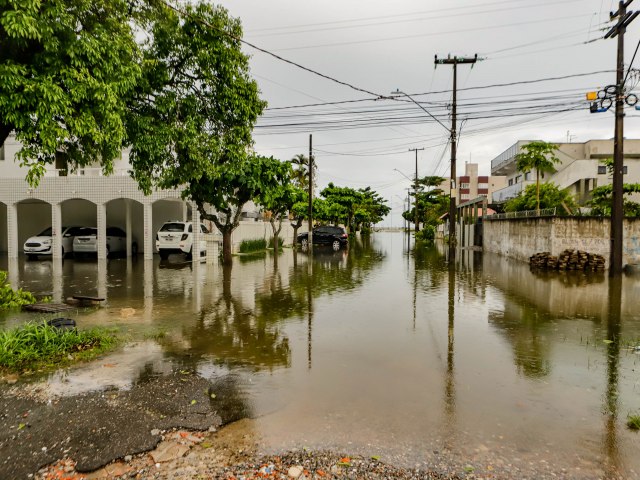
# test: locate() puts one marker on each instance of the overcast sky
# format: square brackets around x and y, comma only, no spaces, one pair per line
[381,46]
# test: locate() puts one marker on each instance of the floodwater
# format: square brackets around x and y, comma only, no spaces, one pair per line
[382,350]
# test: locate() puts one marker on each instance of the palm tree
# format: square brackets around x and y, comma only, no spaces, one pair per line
[540,156]
[300,164]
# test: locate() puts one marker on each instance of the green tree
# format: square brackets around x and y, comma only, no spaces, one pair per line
[601,201]
[193,112]
[342,203]
[300,164]
[66,70]
[371,210]
[278,196]
[547,195]
[538,156]
[299,211]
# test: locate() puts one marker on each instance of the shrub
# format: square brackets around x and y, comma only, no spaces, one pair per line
[10,298]
[255,245]
[37,345]
[427,234]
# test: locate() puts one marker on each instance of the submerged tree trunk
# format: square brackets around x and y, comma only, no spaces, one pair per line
[276,233]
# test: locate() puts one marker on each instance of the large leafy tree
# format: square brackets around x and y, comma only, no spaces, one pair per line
[538,156]
[299,211]
[342,203]
[300,164]
[548,195]
[191,118]
[371,210]
[601,201]
[66,69]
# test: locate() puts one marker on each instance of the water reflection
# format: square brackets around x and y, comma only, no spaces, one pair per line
[369,348]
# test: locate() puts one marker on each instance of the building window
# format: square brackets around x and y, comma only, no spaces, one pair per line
[527,176]
[483,185]
[602,169]
[519,179]
[624,170]
[464,196]
[510,181]
[464,185]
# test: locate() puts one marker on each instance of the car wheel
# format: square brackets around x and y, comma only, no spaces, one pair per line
[304,243]
[108,251]
[163,255]
[134,249]
[336,245]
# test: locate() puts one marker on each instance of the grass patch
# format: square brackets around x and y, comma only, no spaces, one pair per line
[256,245]
[633,422]
[37,346]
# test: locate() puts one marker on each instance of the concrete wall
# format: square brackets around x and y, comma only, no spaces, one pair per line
[520,238]
[251,230]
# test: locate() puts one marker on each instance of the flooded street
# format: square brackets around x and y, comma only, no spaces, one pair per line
[381,351]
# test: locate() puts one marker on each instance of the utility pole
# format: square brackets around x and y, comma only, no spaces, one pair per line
[415,191]
[617,213]
[454,141]
[310,236]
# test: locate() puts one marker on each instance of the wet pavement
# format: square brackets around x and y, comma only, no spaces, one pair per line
[374,351]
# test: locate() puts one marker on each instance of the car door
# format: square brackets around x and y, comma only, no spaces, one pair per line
[320,236]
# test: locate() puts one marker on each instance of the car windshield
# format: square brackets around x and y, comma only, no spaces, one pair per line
[87,231]
[172,227]
[45,233]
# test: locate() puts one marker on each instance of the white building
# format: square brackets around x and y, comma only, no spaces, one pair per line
[580,168]
[84,197]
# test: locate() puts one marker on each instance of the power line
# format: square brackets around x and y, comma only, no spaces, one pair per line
[267,52]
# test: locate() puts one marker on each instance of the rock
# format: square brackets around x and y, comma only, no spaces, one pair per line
[295,471]
[128,458]
[155,432]
[11,379]
[127,312]
[168,451]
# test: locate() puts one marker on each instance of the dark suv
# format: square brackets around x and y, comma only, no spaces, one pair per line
[335,236]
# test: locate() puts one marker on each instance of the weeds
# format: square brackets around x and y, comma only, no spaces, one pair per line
[35,346]
[256,245]
[633,422]
[10,298]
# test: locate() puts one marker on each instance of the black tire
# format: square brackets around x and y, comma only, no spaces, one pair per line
[304,243]
[108,252]
[134,249]
[163,255]
[336,245]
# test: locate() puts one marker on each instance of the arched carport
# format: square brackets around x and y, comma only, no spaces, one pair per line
[32,217]
[128,215]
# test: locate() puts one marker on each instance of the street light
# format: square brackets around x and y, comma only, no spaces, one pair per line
[451,131]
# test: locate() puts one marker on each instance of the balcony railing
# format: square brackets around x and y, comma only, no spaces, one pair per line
[85,172]
[504,158]
[511,191]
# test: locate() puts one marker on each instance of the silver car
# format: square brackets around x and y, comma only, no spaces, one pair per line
[86,242]
[42,244]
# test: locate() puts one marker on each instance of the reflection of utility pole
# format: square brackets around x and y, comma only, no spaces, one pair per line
[454,141]
[310,314]
[617,213]
[415,192]
[613,360]
[310,235]
[449,384]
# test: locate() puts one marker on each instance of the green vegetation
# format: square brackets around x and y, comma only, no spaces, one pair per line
[427,234]
[538,156]
[431,203]
[35,346]
[255,245]
[547,195]
[280,243]
[633,422]
[10,298]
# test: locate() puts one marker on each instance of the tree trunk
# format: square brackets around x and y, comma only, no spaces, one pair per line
[226,247]
[295,236]
[538,190]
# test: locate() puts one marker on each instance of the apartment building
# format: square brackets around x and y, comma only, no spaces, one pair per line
[580,168]
[471,185]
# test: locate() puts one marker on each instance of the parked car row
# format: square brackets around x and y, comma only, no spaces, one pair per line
[173,237]
[79,241]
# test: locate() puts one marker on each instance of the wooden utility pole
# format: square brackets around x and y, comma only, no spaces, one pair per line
[310,224]
[415,192]
[454,141]
[617,212]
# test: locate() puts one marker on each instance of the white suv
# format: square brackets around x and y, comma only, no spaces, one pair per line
[177,237]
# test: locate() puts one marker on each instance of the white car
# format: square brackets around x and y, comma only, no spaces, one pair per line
[177,237]
[42,244]
[86,241]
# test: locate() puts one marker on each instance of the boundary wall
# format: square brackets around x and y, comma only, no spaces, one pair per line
[520,238]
